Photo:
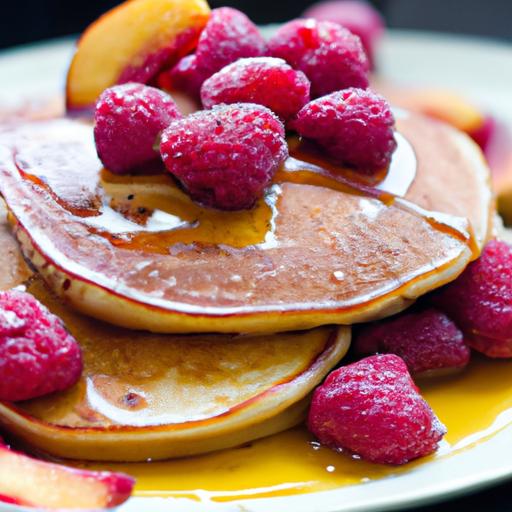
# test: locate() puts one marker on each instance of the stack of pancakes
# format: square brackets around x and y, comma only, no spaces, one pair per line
[202,330]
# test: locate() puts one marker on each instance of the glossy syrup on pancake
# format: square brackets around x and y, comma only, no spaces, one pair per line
[152,396]
[293,463]
[319,248]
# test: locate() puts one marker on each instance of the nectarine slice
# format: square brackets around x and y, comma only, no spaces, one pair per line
[34,483]
[132,42]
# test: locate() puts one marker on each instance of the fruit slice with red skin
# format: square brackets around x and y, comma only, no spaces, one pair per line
[492,134]
[34,483]
[132,43]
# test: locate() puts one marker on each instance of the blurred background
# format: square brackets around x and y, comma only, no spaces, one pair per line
[25,21]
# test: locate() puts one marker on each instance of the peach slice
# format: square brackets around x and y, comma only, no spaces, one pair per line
[34,483]
[132,42]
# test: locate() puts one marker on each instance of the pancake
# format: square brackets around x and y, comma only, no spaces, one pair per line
[151,396]
[158,396]
[321,247]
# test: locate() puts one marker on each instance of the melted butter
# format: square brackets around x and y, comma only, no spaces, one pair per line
[473,405]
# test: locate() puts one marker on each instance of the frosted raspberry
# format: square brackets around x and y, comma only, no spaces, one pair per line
[372,408]
[353,126]
[129,119]
[357,16]
[263,80]
[228,36]
[426,340]
[225,157]
[480,301]
[331,57]
[185,76]
[37,355]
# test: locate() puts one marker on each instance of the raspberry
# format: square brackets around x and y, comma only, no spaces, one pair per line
[228,36]
[357,16]
[129,119]
[38,356]
[225,157]
[264,80]
[426,340]
[480,301]
[331,57]
[355,127]
[373,409]
[185,76]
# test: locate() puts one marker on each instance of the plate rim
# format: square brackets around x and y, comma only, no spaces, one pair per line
[424,495]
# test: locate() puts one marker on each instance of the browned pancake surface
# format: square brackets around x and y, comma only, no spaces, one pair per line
[316,251]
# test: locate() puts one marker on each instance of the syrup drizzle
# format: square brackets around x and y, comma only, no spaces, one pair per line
[293,463]
[153,214]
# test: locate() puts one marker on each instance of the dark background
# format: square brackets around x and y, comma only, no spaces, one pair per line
[23,21]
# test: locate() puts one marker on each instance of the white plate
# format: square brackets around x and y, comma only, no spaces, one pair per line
[480,69]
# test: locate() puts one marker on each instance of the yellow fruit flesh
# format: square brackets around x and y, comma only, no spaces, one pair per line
[126,37]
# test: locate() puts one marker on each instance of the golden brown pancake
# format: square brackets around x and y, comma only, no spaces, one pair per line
[157,396]
[321,248]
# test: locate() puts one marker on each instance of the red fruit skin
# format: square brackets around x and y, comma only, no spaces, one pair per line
[355,127]
[227,156]
[228,36]
[128,120]
[120,486]
[331,56]
[480,301]
[426,340]
[373,409]
[484,134]
[8,499]
[357,16]
[40,359]
[263,80]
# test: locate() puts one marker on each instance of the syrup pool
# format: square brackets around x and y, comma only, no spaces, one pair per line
[473,405]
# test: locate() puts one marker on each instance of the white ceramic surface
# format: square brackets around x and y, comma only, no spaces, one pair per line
[482,70]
